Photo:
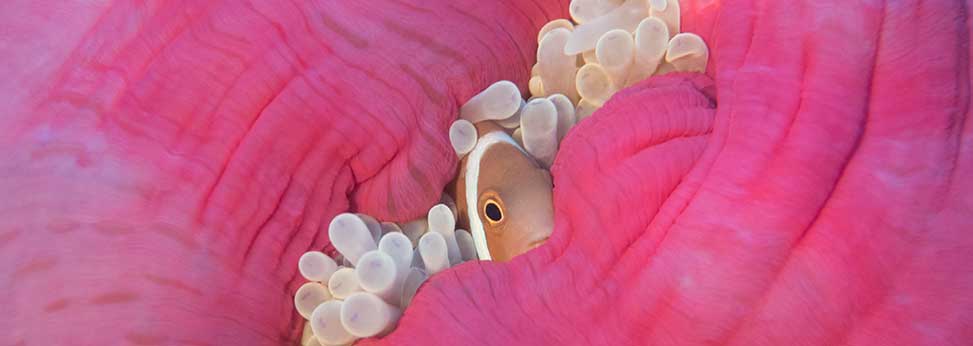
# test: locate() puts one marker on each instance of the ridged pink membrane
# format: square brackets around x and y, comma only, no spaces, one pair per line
[166,164]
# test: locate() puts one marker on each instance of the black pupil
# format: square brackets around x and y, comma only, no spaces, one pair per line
[493,212]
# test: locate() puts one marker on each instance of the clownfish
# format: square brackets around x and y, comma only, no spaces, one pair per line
[503,196]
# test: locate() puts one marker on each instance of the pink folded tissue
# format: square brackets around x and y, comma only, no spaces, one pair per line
[800,174]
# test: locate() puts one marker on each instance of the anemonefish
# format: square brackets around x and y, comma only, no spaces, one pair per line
[503,196]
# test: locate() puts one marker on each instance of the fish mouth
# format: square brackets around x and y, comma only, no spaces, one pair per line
[534,244]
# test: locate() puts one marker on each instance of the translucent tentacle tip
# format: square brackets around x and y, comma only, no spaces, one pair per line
[365,315]
[687,52]
[308,297]
[462,135]
[351,236]
[343,283]
[316,266]
[432,248]
[498,101]
[326,324]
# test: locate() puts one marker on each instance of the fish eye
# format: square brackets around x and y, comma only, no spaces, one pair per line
[493,211]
